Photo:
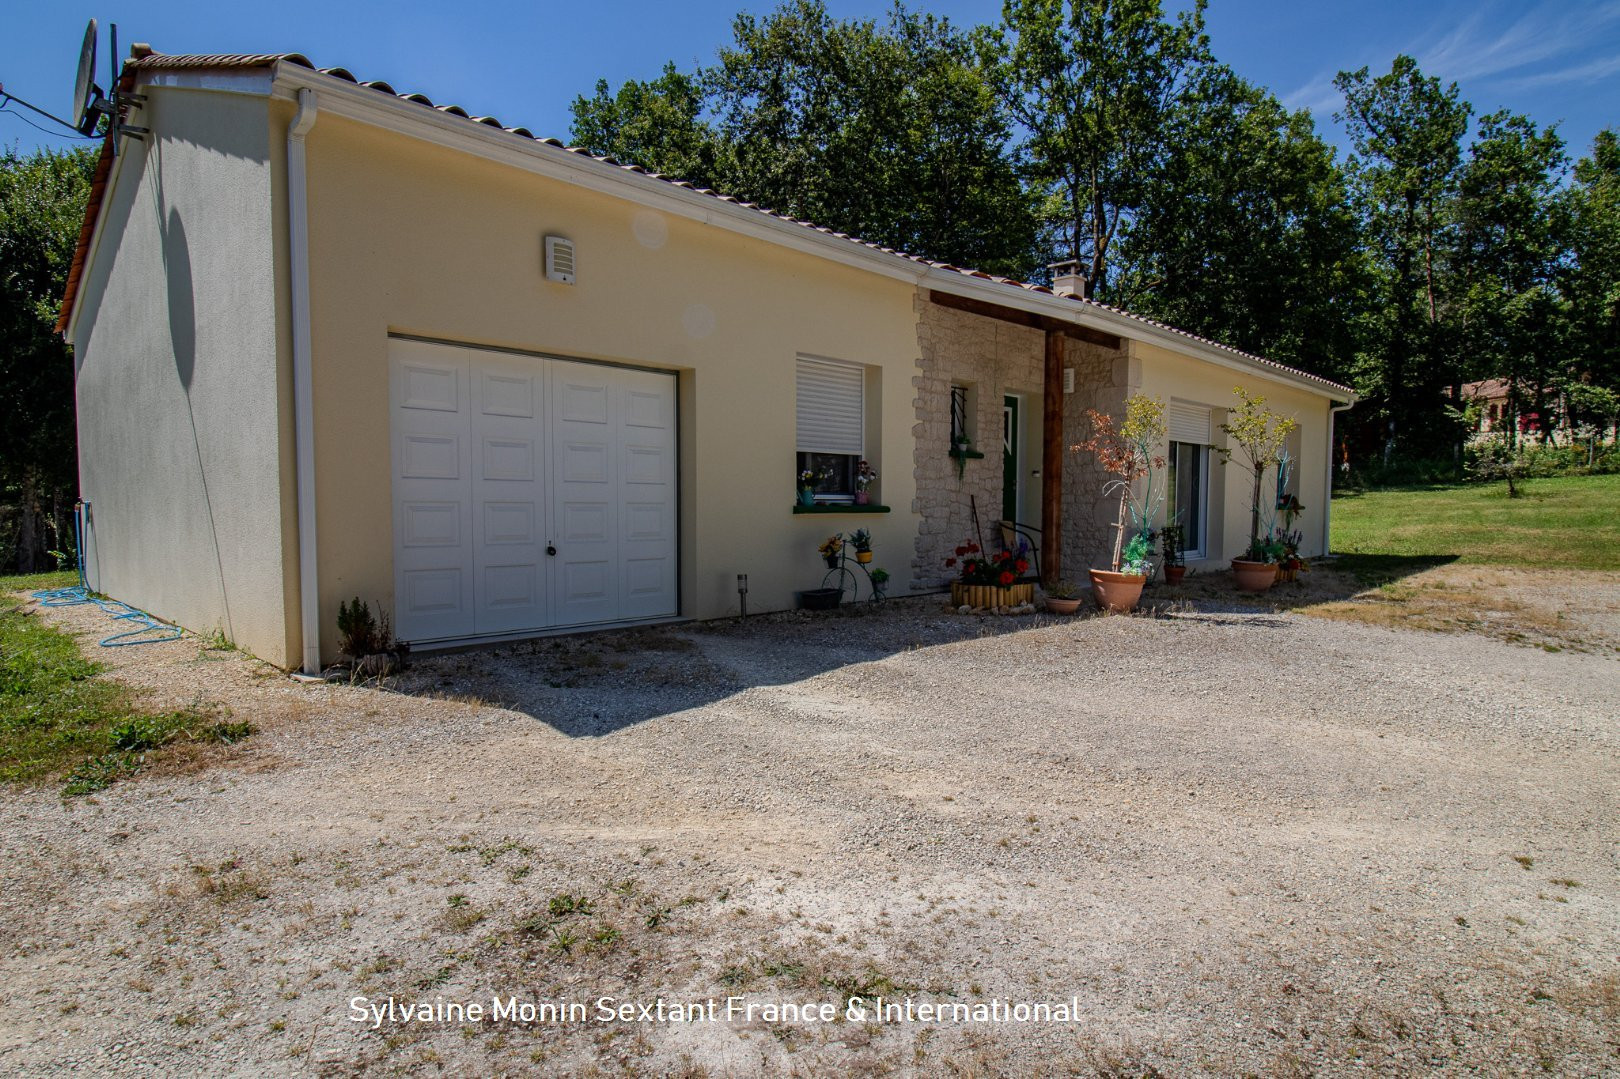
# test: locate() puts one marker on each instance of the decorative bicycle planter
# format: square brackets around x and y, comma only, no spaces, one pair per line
[844,577]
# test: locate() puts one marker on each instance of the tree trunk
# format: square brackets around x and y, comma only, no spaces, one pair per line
[1254,507]
[27,526]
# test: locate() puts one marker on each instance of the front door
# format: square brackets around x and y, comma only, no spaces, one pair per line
[1009,459]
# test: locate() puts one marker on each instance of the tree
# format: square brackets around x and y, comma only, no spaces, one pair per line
[1247,207]
[1095,84]
[891,133]
[1510,226]
[1407,131]
[1591,281]
[42,200]
[1259,434]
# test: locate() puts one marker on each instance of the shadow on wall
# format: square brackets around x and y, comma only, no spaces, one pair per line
[182,299]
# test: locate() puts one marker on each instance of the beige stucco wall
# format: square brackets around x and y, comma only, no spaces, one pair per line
[1170,376]
[410,238]
[179,445]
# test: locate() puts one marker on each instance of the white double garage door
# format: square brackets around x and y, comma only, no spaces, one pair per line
[529,493]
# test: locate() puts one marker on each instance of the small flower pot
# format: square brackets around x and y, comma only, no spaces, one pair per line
[831,560]
[1062,606]
[1254,576]
[1116,592]
[863,557]
[807,496]
[1174,574]
[863,498]
[821,599]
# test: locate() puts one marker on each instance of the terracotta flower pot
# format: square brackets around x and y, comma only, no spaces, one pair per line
[1254,576]
[1174,574]
[1117,592]
[1062,606]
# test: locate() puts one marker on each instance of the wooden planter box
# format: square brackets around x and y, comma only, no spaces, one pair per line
[991,595]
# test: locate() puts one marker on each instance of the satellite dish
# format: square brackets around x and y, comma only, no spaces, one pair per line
[86,94]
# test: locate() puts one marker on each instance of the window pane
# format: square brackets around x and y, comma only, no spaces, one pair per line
[836,472]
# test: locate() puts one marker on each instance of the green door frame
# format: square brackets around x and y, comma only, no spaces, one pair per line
[1010,434]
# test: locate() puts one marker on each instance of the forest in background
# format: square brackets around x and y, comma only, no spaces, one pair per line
[1445,248]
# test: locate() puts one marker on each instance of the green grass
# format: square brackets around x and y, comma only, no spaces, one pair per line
[1568,522]
[60,717]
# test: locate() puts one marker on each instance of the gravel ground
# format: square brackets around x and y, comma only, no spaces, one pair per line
[1240,842]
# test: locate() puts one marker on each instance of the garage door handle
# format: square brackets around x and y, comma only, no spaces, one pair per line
[551,550]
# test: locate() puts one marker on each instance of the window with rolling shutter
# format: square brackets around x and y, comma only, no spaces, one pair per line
[1190,423]
[831,435]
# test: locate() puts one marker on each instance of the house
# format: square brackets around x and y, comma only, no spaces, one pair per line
[333,340]
[1501,408]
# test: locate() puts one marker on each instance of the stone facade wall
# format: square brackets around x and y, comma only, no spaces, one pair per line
[994,358]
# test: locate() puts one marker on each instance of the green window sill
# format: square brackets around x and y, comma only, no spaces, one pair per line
[832,508]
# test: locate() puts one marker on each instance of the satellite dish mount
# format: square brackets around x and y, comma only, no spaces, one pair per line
[90,103]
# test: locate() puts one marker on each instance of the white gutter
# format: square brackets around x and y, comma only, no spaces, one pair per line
[1327,488]
[309,606]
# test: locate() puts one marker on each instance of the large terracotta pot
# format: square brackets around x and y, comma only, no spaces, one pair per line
[1117,592]
[990,595]
[1254,576]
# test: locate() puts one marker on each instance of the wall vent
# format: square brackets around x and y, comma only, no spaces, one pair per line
[559,260]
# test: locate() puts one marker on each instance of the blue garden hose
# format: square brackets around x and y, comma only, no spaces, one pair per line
[142,622]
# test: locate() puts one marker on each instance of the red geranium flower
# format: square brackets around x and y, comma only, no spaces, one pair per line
[950,562]
[1022,565]
[960,551]
[1007,578]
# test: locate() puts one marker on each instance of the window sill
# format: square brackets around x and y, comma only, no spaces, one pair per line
[840,508]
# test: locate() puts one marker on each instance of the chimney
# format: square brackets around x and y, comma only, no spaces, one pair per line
[1067,280]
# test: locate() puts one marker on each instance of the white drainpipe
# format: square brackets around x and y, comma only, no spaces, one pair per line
[1327,491]
[303,391]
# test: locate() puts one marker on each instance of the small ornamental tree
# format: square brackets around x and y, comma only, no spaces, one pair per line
[1258,434]
[1128,453]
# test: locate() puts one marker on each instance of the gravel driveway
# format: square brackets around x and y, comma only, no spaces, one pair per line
[1231,842]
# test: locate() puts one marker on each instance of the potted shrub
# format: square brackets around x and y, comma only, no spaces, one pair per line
[1288,537]
[1257,434]
[862,542]
[1126,452]
[368,640]
[1062,597]
[1172,543]
[990,581]
[880,581]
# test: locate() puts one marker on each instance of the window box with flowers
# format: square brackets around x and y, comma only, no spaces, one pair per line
[990,581]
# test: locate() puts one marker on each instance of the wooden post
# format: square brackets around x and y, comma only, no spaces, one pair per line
[1052,460]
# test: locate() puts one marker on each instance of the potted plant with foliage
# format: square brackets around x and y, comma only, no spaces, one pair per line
[1127,452]
[865,477]
[1062,596]
[368,640]
[1173,545]
[1257,434]
[831,550]
[990,580]
[880,581]
[862,542]
[1287,536]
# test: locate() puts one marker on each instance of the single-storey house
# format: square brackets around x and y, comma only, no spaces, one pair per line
[333,340]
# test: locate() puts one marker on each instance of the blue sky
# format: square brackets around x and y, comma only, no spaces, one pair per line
[1557,60]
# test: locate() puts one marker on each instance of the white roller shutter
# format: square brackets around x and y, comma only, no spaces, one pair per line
[831,412]
[1190,423]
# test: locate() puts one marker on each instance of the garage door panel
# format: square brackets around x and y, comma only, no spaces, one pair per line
[435,592]
[581,401]
[643,408]
[513,587]
[508,459]
[434,387]
[584,462]
[430,457]
[507,395]
[509,523]
[432,524]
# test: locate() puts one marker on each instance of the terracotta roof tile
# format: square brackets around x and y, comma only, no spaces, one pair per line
[149,61]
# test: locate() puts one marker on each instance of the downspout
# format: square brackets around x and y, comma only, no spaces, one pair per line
[1327,489]
[303,391]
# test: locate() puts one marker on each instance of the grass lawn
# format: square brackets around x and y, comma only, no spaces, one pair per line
[1568,522]
[60,717]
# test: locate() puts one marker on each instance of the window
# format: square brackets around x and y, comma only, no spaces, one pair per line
[831,426]
[960,437]
[1188,481]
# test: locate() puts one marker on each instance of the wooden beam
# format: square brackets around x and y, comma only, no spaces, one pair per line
[1052,451]
[1003,313]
